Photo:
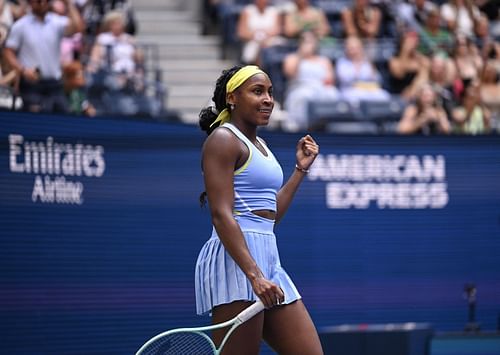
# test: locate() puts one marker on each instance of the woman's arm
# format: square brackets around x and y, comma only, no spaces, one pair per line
[396,67]
[348,22]
[330,72]
[291,28]
[307,150]
[410,122]
[323,28]
[372,26]
[291,65]
[244,32]
[444,124]
[96,54]
[76,24]
[221,152]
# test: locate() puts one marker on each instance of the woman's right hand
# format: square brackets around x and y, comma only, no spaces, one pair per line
[268,292]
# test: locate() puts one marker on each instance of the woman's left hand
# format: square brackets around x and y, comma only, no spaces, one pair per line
[307,150]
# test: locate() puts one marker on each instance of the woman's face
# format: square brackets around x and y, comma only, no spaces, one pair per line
[117,27]
[433,20]
[438,68]
[308,44]
[410,41]
[461,47]
[354,49]
[471,97]
[360,3]
[427,96]
[261,4]
[254,101]
[302,4]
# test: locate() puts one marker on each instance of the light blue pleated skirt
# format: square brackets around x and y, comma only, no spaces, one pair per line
[219,280]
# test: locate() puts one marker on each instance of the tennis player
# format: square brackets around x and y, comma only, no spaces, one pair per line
[246,196]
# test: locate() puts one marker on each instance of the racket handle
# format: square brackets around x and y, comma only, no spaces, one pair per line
[251,311]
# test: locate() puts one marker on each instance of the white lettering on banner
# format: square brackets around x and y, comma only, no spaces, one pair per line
[52,158]
[395,182]
[57,191]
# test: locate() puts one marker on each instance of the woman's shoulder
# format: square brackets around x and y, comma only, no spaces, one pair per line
[223,144]
[104,38]
[221,139]
[249,9]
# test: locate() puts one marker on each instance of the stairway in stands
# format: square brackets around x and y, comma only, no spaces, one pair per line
[189,61]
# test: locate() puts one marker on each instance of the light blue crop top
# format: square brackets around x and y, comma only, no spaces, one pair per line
[257,182]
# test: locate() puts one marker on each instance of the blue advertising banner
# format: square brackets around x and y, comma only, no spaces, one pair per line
[101,227]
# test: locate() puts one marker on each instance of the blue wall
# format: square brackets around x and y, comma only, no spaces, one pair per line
[101,227]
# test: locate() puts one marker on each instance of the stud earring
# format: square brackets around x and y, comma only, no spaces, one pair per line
[231,106]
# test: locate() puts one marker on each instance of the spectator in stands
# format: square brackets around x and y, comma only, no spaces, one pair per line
[259,26]
[10,12]
[425,116]
[74,87]
[490,9]
[442,75]
[304,18]
[460,16]
[362,20]
[414,13]
[408,66]
[9,79]
[489,89]
[493,53]
[94,12]
[71,46]
[471,117]
[115,53]
[33,49]
[468,63]
[482,31]
[434,38]
[310,76]
[358,78]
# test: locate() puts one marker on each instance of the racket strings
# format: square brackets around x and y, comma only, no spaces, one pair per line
[181,343]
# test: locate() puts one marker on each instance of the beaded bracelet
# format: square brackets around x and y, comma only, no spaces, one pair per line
[305,171]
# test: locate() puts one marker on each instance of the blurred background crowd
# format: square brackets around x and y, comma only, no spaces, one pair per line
[360,66]
[75,57]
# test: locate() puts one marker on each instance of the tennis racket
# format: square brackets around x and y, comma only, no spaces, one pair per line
[194,341]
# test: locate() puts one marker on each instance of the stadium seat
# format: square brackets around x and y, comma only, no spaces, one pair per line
[385,114]
[339,116]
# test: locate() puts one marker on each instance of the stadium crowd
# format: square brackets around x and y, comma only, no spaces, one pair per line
[439,60]
[414,66]
[72,56]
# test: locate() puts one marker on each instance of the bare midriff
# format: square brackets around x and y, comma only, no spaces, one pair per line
[268,214]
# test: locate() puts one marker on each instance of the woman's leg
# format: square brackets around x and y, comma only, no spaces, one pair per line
[246,339]
[289,330]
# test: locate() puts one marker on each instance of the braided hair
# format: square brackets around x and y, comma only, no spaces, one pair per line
[208,115]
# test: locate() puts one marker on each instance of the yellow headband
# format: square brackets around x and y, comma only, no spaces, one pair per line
[235,82]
